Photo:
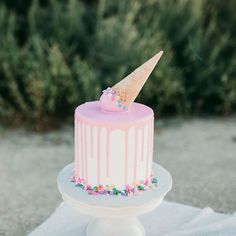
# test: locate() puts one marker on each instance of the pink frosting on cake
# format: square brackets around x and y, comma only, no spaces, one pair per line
[93,112]
[122,163]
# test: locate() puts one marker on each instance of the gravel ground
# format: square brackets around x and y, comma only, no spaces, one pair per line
[199,153]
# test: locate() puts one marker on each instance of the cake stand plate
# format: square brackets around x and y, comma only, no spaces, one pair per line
[114,215]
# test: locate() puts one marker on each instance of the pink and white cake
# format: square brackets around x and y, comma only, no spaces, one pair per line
[114,139]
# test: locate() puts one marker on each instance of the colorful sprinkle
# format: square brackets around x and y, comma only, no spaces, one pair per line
[154,180]
[114,97]
[112,190]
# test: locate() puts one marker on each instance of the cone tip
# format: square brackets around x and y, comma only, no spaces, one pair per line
[159,54]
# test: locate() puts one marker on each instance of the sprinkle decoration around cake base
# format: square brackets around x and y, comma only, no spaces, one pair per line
[112,190]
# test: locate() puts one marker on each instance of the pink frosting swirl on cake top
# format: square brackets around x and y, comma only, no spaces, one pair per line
[110,101]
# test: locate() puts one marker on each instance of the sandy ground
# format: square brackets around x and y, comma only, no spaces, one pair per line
[200,154]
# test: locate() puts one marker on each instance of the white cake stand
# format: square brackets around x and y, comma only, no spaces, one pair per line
[114,215]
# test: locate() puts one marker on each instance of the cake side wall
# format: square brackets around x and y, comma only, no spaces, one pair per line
[119,155]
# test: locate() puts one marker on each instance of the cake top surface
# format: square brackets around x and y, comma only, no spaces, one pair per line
[93,112]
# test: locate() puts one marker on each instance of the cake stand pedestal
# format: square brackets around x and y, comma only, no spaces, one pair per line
[114,215]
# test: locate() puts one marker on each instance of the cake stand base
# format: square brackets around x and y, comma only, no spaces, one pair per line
[109,226]
[114,215]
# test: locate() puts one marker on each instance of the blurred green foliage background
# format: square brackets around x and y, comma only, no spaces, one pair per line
[55,55]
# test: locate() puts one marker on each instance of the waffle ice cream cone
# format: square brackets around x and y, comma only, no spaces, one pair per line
[129,88]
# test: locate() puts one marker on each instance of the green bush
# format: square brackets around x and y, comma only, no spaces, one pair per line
[55,55]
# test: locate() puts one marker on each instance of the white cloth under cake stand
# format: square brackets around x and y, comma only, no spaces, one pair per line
[114,215]
[169,219]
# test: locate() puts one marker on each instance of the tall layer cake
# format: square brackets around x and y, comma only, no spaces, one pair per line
[114,139]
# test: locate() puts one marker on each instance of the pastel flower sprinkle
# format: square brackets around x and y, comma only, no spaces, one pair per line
[114,97]
[135,189]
